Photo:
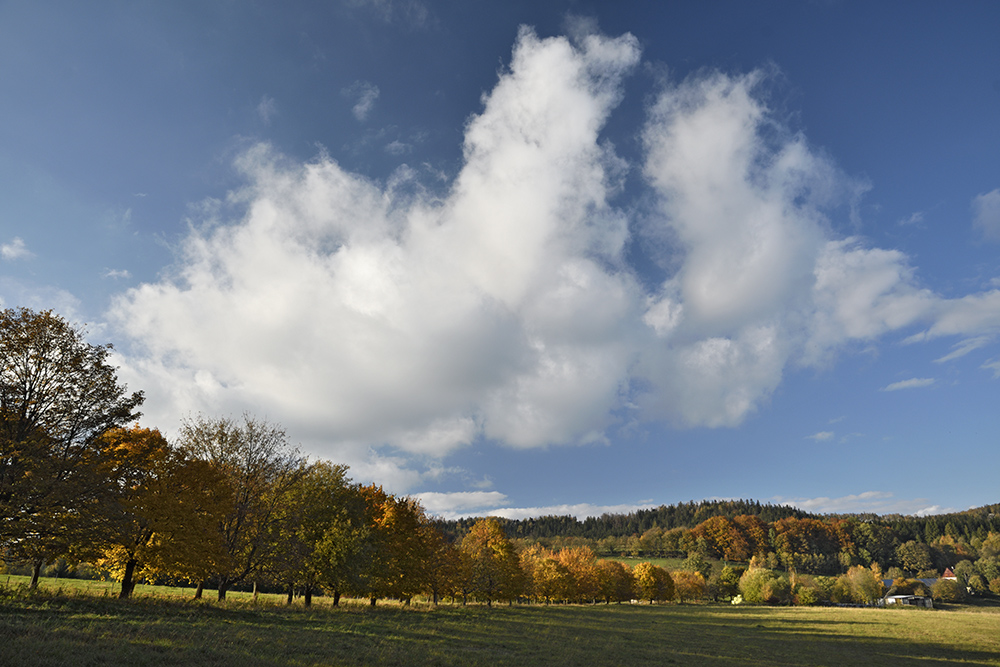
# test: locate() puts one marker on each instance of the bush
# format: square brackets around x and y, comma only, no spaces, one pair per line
[995,586]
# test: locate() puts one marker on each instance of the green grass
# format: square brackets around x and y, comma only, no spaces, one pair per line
[162,628]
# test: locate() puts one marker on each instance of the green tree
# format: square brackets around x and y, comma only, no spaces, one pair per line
[947,590]
[914,556]
[58,396]
[729,581]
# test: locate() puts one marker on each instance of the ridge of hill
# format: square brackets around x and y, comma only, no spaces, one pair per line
[967,523]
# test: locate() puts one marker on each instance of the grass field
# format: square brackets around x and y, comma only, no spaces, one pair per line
[164,626]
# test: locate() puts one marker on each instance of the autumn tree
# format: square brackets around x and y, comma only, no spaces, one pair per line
[547,578]
[260,467]
[167,508]
[615,581]
[495,568]
[688,585]
[58,396]
[400,555]
[652,582]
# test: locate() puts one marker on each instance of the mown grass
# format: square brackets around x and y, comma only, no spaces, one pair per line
[80,628]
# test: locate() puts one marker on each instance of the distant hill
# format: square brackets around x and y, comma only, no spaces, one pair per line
[976,522]
[681,515]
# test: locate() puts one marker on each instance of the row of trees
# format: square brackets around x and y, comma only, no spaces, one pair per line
[232,503]
[809,545]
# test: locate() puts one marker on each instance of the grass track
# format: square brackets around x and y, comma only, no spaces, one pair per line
[80,629]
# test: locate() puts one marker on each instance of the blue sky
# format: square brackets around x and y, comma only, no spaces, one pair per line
[531,258]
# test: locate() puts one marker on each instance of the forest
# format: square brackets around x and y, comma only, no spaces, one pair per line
[231,504]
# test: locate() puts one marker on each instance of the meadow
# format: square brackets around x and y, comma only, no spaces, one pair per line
[69,622]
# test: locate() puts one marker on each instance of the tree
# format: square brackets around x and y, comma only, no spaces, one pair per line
[58,396]
[260,467]
[688,585]
[947,590]
[729,581]
[616,581]
[652,582]
[495,568]
[309,516]
[166,508]
[914,556]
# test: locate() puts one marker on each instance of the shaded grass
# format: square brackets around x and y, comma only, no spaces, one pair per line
[73,628]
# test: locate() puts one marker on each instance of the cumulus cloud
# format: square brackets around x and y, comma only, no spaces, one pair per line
[912,383]
[364,95]
[373,318]
[16,249]
[986,214]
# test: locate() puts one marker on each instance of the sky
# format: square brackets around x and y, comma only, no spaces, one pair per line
[524,258]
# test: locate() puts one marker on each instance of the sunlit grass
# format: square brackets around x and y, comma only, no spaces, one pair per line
[166,627]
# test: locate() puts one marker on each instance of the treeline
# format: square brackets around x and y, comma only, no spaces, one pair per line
[682,515]
[795,540]
[231,504]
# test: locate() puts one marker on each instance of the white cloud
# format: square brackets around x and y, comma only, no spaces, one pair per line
[993,365]
[485,503]
[16,249]
[15,293]
[267,109]
[869,502]
[821,436]
[397,147]
[912,383]
[115,274]
[986,214]
[915,219]
[353,316]
[580,510]
[963,347]
[452,504]
[367,316]
[364,95]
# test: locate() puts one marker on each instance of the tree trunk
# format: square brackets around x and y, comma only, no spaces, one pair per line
[291,594]
[36,569]
[199,589]
[308,597]
[373,600]
[336,598]
[255,590]
[127,584]
[223,586]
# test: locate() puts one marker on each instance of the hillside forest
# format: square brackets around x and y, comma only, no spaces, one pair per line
[230,504]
